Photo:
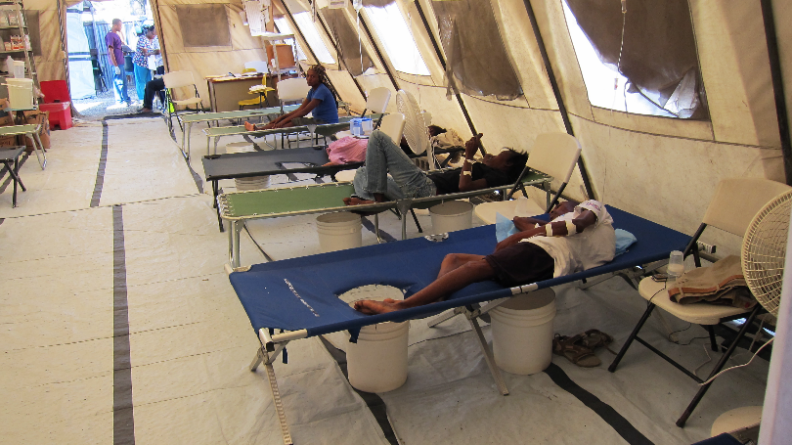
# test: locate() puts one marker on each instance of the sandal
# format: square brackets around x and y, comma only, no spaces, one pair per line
[575,350]
[595,339]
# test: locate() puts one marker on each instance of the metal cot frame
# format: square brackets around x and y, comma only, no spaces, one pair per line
[237,221]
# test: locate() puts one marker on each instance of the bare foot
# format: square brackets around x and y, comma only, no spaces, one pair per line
[249,126]
[373,307]
[145,110]
[352,201]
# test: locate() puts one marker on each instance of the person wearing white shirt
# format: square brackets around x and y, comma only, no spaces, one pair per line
[578,237]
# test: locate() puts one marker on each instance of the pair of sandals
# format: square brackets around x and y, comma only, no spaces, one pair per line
[579,349]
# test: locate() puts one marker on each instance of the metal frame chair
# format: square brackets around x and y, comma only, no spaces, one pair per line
[178,79]
[553,153]
[734,205]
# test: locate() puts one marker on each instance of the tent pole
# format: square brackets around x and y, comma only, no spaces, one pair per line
[557,92]
[379,54]
[443,63]
[341,61]
[778,87]
[155,12]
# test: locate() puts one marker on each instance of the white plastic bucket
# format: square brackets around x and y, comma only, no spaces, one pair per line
[451,216]
[19,69]
[254,182]
[338,231]
[378,361]
[20,93]
[522,332]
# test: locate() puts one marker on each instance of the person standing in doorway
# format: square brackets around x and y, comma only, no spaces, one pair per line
[145,47]
[115,49]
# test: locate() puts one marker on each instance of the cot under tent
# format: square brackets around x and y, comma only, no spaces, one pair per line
[239,207]
[189,119]
[299,296]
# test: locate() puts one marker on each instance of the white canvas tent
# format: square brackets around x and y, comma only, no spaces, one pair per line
[661,168]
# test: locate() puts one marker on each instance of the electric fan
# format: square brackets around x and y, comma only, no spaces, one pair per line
[415,125]
[764,251]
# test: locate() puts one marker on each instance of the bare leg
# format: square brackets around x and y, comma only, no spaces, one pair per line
[454,261]
[452,281]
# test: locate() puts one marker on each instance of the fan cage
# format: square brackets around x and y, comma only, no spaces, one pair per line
[764,251]
[415,130]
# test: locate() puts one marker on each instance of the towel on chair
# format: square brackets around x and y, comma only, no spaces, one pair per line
[722,283]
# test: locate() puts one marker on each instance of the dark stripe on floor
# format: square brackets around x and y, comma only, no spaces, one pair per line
[373,401]
[2,220]
[97,193]
[370,227]
[8,180]
[123,410]
[196,177]
[605,411]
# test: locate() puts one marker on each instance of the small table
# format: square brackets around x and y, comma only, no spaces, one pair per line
[8,154]
[31,131]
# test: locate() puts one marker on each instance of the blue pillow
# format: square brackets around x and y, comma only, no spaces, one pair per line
[624,240]
[504,227]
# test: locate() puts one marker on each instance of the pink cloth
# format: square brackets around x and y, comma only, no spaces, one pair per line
[347,150]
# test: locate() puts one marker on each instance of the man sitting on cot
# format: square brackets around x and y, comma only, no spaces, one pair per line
[320,101]
[578,238]
[406,180]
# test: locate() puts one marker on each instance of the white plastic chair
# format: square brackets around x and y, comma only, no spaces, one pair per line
[258,65]
[178,79]
[734,205]
[377,101]
[393,126]
[555,154]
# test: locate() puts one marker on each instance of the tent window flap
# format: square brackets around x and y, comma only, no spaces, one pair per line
[347,39]
[477,61]
[204,25]
[633,61]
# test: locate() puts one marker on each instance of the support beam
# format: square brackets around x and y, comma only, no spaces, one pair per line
[557,92]
[442,60]
[778,87]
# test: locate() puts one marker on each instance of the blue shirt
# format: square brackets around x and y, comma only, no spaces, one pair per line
[327,110]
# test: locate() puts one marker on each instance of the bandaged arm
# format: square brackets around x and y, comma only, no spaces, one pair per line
[571,227]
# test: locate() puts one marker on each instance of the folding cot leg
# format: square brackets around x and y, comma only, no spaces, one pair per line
[443,317]
[186,140]
[415,218]
[703,390]
[376,228]
[632,336]
[216,140]
[403,206]
[215,192]
[264,357]
[36,149]
[233,243]
[489,358]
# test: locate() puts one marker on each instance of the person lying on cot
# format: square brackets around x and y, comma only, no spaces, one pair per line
[373,184]
[320,102]
[579,237]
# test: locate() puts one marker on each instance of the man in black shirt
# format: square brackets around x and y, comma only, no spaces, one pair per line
[406,180]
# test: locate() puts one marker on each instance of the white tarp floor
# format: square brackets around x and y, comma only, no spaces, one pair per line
[82,266]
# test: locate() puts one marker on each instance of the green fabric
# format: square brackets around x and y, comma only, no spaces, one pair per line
[240,129]
[18,129]
[275,201]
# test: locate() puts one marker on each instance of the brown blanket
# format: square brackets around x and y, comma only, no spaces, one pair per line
[722,283]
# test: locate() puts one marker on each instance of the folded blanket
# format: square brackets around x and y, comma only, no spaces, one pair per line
[722,283]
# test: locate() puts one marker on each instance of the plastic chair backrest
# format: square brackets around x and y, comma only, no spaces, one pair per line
[176,79]
[555,154]
[248,70]
[738,200]
[393,126]
[55,91]
[293,89]
[378,99]
[258,65]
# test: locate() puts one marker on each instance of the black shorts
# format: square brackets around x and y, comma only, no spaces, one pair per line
[523,263]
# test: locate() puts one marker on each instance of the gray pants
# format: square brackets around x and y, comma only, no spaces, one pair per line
[406,180]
